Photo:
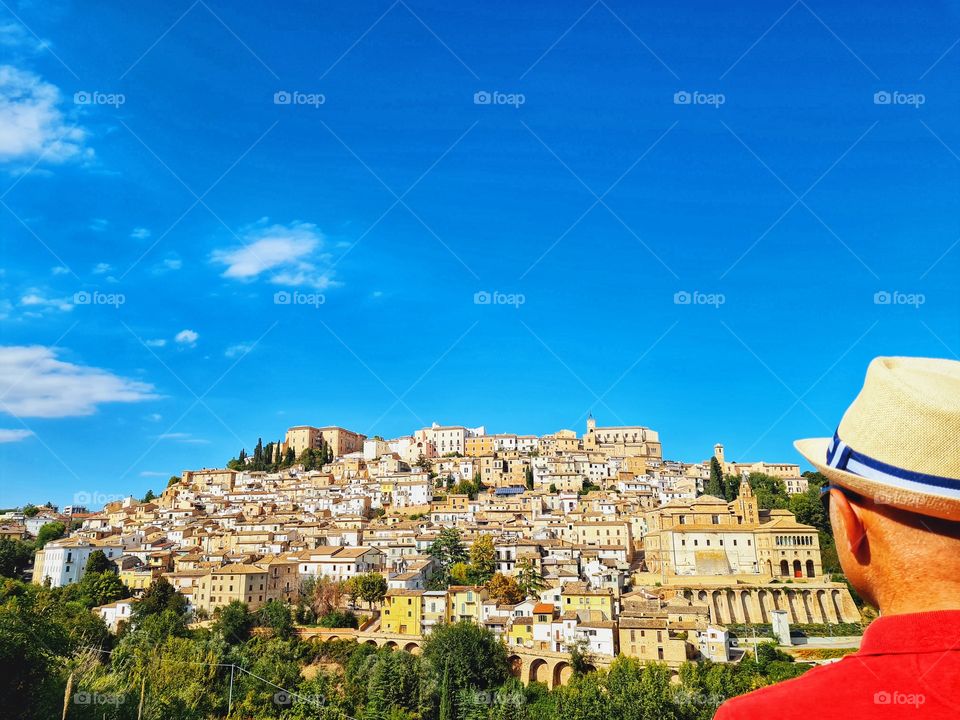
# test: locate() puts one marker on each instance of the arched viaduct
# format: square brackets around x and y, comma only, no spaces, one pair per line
[551,668]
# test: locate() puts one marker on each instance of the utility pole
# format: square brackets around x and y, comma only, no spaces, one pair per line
[230,700]
[66,697]
[143,687]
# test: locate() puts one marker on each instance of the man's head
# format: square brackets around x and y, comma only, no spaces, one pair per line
[897,560]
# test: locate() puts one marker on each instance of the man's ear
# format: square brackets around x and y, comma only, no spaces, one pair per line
[850,518]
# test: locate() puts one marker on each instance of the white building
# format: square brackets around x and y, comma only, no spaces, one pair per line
[115,613]
[65,561]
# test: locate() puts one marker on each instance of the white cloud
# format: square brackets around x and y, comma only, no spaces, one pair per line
[154,473]
[60,270]
[35,299]
[157,342]
[16,36]
[155,417]
[183,438]
[172,263]
[99,224]
[187,337]
[34,383]
[140,233]
[238,349]
[12,436]
[31,121]
[101,268]
[284,254]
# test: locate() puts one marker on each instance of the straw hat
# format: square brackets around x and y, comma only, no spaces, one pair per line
[899,442]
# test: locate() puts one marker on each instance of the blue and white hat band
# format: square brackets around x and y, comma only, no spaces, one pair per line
[841,456]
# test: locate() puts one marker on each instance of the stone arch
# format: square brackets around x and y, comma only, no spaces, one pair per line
[745,604]
[730,606]
[810,568]
[391,644]
[805,598]
[835,599]
[515,662]
[823,606]
[331,638]
[412,648]
[539,672]
[370,642]
[702,596]
[784,568]
[561,673]
[762,600]
[797,569]
[715,597]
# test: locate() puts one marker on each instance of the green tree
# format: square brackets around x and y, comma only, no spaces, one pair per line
[276,616]
[459,657]
[528,476]
[483,560]
[101,588]
[530,579]
[370,587]
[234,622]
[160,597]
[98,563]
[770,491]
[15,557]
[149,497]
[30,510]
[174,480]
[447,550]
[715,485]
[50,531]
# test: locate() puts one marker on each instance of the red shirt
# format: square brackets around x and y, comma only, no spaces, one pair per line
[908,666]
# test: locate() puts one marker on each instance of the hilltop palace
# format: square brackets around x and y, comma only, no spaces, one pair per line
[641,563]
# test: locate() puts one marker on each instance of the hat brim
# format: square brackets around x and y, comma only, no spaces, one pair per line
[815,451]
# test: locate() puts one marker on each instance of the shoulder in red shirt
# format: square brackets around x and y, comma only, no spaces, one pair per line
[908,666]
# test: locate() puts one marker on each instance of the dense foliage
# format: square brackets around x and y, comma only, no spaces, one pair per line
[253,664]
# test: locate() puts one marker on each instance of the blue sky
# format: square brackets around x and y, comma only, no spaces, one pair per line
[588,166]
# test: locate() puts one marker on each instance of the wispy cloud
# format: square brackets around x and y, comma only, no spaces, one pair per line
[34,383]
[283,254]
[35,302]
[183,437]
[33,123]
[12,436]
[238,349]
[140,233]
[187,337]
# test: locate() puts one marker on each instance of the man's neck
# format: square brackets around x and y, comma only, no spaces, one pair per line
[909,597]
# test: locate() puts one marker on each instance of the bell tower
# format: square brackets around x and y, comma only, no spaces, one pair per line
[718,454]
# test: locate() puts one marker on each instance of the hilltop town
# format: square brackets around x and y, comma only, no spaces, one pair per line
[553,543]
